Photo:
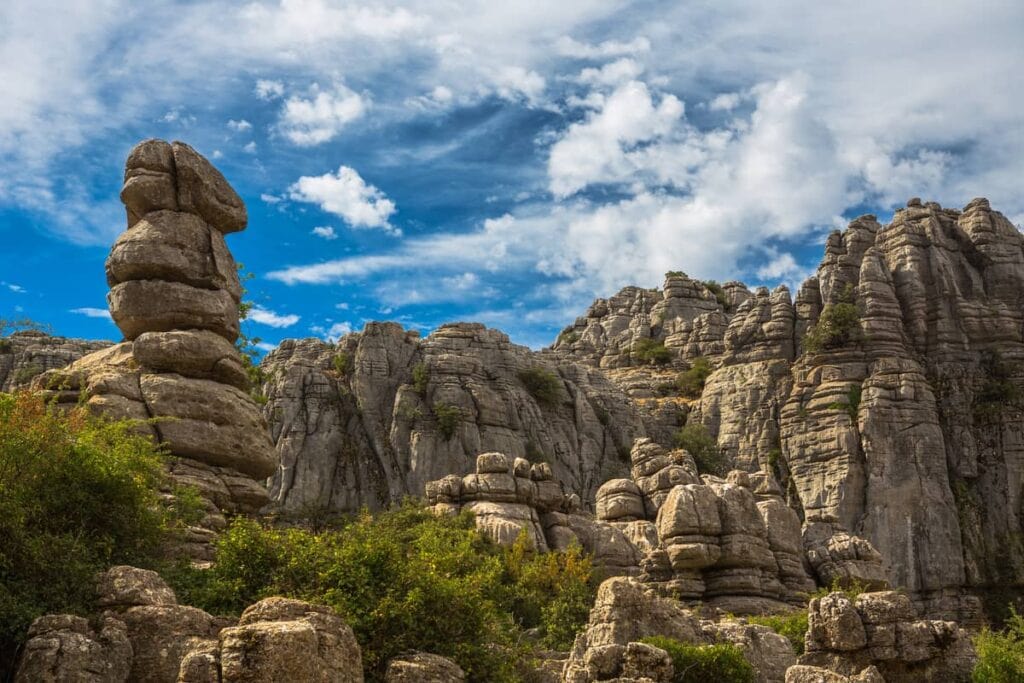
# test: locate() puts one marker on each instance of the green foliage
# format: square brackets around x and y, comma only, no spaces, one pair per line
[448,418]
[702,446]
[838,326]
[543,385]
[341,363]
[723,663]
[420,377]
[793,626]
[78,494]
[534,453]
[248,346]
[651,352]
[568,337]
[852,403]
[675,273]
[10,325]
[691,382]
[998,391]
[25,373]
[719,293]
[405,580]
[1000,653]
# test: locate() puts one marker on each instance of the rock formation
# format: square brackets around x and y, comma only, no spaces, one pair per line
[374,418]
[175,295]
[144,636]
[902,427]
[27,354]
[422,667]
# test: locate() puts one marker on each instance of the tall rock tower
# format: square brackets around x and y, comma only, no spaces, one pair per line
[175,295]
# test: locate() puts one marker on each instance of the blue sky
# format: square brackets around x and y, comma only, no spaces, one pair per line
[499,162]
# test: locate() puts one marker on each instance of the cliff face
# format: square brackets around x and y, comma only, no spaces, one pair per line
[379,415]
[901,416]
[27,354]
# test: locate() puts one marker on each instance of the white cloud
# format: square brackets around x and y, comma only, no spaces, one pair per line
[270,198]
[333,331]
[464,281]
[347,195]
[514,82]
[781,266]
[313,121]
[610,48]
[264,316]
[92,312]
[266,347]
[17,289]
[240,125]
[326,232]
[612,73]
[269,90]
[725,101]
[250,148]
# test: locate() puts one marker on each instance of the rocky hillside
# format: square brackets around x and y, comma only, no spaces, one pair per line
[375,417]
[26,354]
[886,397]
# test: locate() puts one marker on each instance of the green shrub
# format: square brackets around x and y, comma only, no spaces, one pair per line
[852,403]
[420,377]
[543,385]
[1000,653]
[341,363]
[722,663]
[405,580]
[793,626]
[719,293]
[704,449]
[651,352]
[998,392]
[25,373]
[448,418]
[568,337]
[78,494]
[534,453]
[838,326]
[5,345]
[675,273]
[691,382]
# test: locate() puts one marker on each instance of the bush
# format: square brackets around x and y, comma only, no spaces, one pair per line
[724,663]
[651,352]
[406,580]
[691,381]
[719,293]
[78,494]
[702,446]
[543,385]
[568,337]
[420,377]
[448,418]
[341,363]
[793,626]
[1000,653]
[838,326]
[852,403]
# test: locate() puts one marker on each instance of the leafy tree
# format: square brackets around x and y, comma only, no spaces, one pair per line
[704,449]
[448,418]
[420,377]
[651,352]
[78,494]
[691,381]
[542,384]
[1001,653]
[838,326]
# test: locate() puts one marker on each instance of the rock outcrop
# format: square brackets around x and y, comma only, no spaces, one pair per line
[175,295]
[144,636]
[422,667]
[374,418]
[901,421]
[27,354]
[880,630]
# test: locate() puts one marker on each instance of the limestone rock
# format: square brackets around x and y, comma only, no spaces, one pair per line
[62,647]
[125,586]
[422,667]
[139,306]
[199,354]
[28,354]
[204,191]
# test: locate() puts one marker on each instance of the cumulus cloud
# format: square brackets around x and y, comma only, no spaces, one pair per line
[326,232]
[612,73]
[321,117]
[264,316]
[269,90]
[240,125]
[332,331]
[347,195]
[570,47]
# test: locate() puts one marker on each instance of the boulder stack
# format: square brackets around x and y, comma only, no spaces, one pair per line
[175,296]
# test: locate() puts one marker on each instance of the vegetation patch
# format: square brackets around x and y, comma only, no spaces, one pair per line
[793,626]
[420,377]
[25,373]
[852,403]
[406,580]
[78,494]
[341,363]
[448,418]
[703,663]
[998,391]
[838,326]
[568,337]
[696,440]
[651,352]
[719,293]
[691,381]
[1000,653]
[543,385]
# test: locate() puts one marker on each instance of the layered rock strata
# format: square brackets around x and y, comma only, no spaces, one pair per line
[27,354]
[175,295]
[372,419]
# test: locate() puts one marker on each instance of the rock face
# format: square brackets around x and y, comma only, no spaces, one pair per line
[626,612]
[422,667]
[175,295]
[146,636]
[880,630]
[376,417]
[27,354]
[901,424]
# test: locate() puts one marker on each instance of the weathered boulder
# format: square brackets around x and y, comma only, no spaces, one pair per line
[422,667]
[63,647]
[125,586]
